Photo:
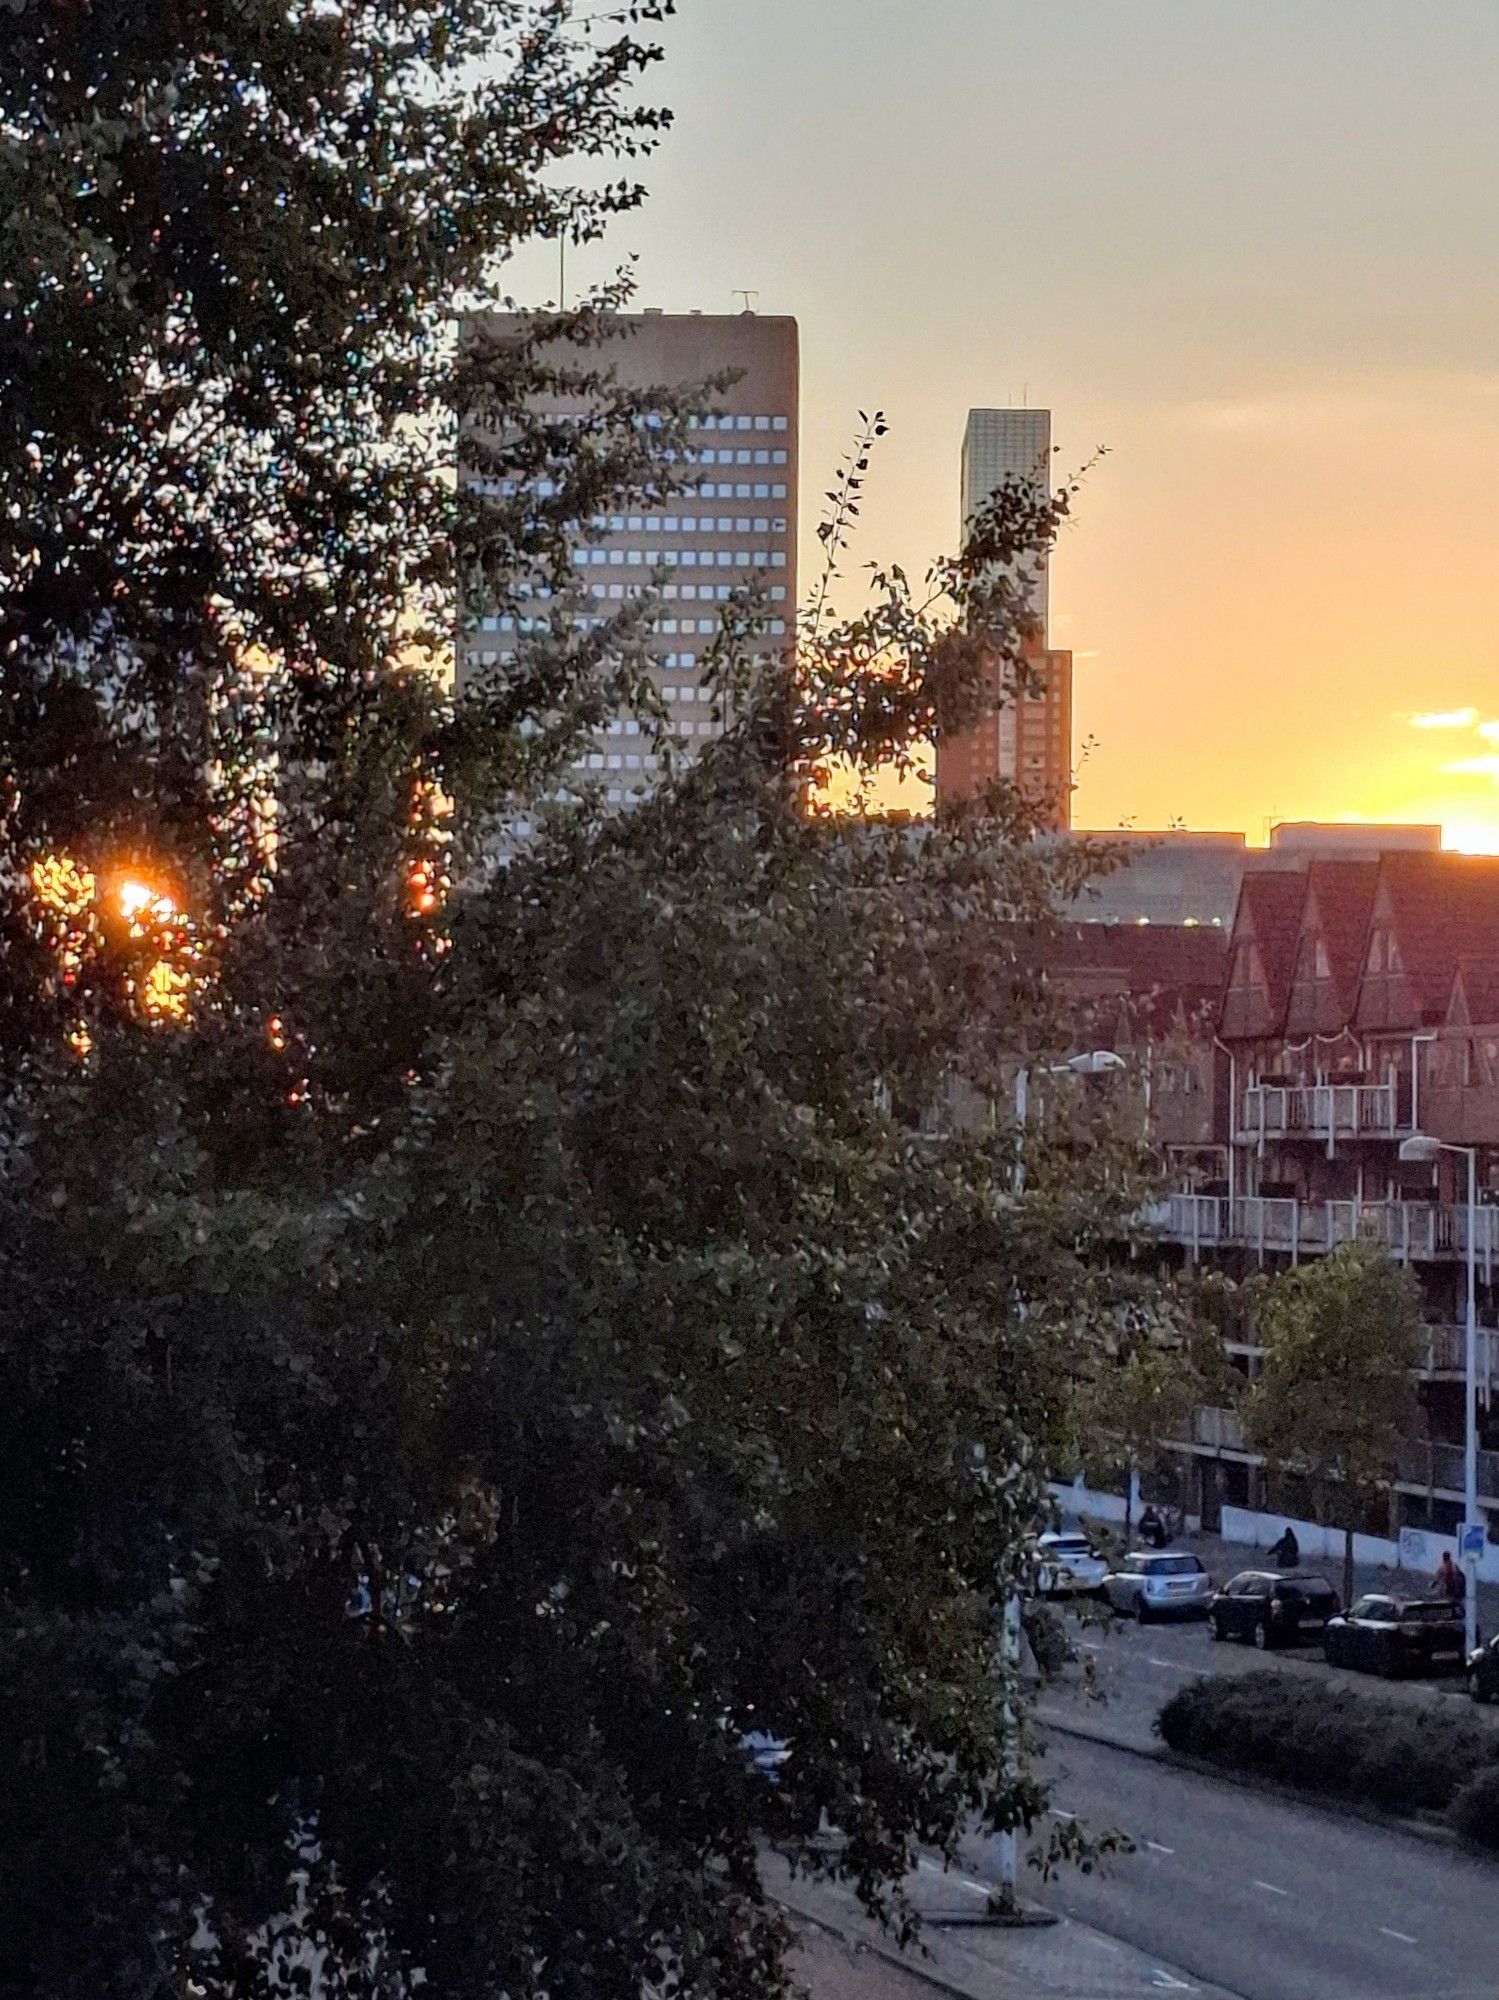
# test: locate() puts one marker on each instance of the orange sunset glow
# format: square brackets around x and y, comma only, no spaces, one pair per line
[1252,251]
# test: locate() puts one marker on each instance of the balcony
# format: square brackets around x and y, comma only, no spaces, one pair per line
[1219,1429]
[1412,1232]
[1448,1354]
[1438,1468]
[1325,1112]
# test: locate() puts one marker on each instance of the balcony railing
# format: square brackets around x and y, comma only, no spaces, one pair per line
[1448,1353]
[1439,1468]
[1326,1112]
[1412,1231]
[1220,1429]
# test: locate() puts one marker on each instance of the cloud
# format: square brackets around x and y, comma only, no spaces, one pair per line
[1474,767]
[1489,731]
[1444,718]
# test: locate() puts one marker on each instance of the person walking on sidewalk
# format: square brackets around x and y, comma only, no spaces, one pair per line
[1287,1551]
[1450,1581]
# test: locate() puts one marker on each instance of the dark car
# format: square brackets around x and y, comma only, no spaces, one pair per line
[1397,1635]
[1269,1609]
[1483,1672]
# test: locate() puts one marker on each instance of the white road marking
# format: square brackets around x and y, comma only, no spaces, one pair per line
[1173,1666]
[1058,1813]
[978,1888]
[1166,1982]
[1156,1847]
[1385,1931]
[1271,1890]
[1090,1645]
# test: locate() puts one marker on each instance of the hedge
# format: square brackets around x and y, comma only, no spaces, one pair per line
[1474,1813]
[1332,1739]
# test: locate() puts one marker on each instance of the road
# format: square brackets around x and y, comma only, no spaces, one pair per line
[1136,1668]
[1267,1898]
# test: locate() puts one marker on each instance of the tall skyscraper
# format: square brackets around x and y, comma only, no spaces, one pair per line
[734,519]
[1025,738]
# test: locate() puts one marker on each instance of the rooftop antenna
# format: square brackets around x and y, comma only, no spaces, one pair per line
[740,293]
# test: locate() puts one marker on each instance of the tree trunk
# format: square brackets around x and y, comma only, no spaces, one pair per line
[1347,1567]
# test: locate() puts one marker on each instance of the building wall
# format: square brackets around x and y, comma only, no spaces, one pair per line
[735,520]
[1026,738]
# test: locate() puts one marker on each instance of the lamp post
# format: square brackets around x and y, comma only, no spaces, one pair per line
[1420,1147]
[1003,1904]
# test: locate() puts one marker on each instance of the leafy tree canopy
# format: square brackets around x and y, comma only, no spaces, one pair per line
[468,1358]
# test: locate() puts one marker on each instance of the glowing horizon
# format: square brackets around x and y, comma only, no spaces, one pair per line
[1254,251]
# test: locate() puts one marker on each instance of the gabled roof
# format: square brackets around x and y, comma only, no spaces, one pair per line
[1159,970]
[1335,913]
[1344,892]
[1474,999]
[1440,910]
[1266,922]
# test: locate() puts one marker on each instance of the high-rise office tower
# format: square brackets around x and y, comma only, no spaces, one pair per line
[1025,738]
[733,519]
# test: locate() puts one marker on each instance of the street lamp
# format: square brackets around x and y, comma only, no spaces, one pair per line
[1093,1062]
[1421,1148]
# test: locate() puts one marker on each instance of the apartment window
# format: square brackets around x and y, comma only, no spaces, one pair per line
[741,423]
[778,423]
[762,423]
[634,558]
[652,524]
[670,524]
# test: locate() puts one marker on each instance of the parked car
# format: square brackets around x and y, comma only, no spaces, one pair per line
[1067,1564]
[1396,1635]
[1483,1672]
[1269,1609]
[1147,1585]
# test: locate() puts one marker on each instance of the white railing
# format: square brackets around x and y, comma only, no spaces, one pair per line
[1439,1467]
[1447,1352]
[1412,1231]
[1322,1111]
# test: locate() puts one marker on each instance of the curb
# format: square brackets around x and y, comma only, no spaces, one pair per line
[891,1954]
[1431,1831]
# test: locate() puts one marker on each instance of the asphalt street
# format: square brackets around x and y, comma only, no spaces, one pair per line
[1135,1668]
[1264,1897]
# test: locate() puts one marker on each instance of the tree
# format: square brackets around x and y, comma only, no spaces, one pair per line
[464,1364]
[1335,1394]
[1135,1407]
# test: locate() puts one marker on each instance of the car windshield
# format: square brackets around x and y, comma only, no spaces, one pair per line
[1069,1545]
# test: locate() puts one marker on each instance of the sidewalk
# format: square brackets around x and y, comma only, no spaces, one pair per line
[845,1956]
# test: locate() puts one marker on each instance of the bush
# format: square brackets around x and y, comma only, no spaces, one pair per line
[1331,1739]
[1474,1813]
[1050,1646]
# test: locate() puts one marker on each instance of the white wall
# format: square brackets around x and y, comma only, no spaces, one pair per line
[1416,1553]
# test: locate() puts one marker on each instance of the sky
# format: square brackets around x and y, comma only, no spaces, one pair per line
[1248,247]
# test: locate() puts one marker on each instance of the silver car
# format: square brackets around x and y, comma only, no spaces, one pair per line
[1068,1565]
[1148,1585]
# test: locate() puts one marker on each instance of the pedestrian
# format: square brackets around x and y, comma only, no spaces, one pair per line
[1152,1528]
[1287,1551]
[1451,1583]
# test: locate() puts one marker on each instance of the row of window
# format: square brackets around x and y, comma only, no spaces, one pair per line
[722,421]
[628,725]
[721,593]
[740,455]
[688,524]
[683,558]
[707,490]
[705,626]
[710,420]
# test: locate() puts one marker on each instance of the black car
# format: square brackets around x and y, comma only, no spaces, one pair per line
[1397,1635]
[1483,1672]
[1272,1610]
